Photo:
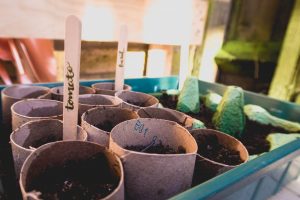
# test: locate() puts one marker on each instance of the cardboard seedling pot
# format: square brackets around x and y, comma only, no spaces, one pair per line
[205,168]
[136,100]
[105,117]
[108,88]
[74,154]
[154,176]
[35,109]
[57,92]
[13,94]
[89,101]
[167,114]
[30,135]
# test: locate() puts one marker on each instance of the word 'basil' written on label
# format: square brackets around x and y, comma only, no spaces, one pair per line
[121,58]
[140,128]
[70,76]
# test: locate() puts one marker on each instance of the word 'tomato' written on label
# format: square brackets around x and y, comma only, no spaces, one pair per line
[70,79]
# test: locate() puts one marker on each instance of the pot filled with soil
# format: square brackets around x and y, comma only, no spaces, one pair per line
[158,157]
[217,153]
[35,109]
[88,101]
[72,170]
[32,135]
[172,115]
[136,100]
[108,88]
[57,92]
[13,94]
[98,122]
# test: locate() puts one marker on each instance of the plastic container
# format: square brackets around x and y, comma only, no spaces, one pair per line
[257,179]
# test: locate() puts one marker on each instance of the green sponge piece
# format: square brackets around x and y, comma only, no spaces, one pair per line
[279,139]
[229,117]
[188,100]
[212,100]
[198,124]
[260,115]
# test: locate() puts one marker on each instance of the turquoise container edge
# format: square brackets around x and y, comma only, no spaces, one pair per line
[248,180]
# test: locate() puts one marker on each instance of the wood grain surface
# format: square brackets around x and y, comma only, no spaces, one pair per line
[148,21]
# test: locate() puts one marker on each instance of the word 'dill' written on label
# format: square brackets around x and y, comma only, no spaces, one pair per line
[121,54]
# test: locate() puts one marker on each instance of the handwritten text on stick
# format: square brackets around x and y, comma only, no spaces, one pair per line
[70,76]
[121,58]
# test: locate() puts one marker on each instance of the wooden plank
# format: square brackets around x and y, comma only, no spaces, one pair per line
[149,21]
[285,78]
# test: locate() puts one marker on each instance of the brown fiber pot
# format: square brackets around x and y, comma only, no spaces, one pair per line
[136,100]
[111,116]
[57,92]
[154,176]
[108,88]
[13,94]
[167,114]
[32,133]
[64,153]
[35,109]
[89,101]
[205,168]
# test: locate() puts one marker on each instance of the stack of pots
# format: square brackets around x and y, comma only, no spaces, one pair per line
[111,127]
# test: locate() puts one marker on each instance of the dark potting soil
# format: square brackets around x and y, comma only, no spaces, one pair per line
[140,104]
[254,137]
[169,101]
[209,147]
[255,134]
[157,149]
[41,141]
[106,126]
[89,179]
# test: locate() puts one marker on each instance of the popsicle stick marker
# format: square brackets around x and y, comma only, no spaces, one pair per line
[122,50]
[71,77]
[184,64]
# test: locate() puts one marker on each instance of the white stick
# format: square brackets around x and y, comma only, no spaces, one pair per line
[184,64]
[71,77]
[122,50]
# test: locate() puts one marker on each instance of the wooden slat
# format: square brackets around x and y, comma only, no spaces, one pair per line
[149,21]
[285,78]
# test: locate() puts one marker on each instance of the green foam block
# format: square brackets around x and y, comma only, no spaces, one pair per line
[198,124]
[229,116]
[262,116]
[212,100]
[279,139]
[188,100]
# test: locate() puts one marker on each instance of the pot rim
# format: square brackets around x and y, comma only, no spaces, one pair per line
[128,152]
[226,135]
[13,112]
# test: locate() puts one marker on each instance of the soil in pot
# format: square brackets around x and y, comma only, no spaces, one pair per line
[106,126]
[157,149]
[209,147]
[168,101]
[140,104]
[41,141]
[76,180]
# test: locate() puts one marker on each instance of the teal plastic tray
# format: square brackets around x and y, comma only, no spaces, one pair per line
[257,179]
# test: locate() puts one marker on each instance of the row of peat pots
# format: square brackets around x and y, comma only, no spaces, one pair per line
[126,146]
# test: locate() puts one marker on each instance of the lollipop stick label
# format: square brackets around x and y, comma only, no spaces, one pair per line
[121,53]
[70,78]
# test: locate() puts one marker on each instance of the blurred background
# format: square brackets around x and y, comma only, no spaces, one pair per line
[250,43]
